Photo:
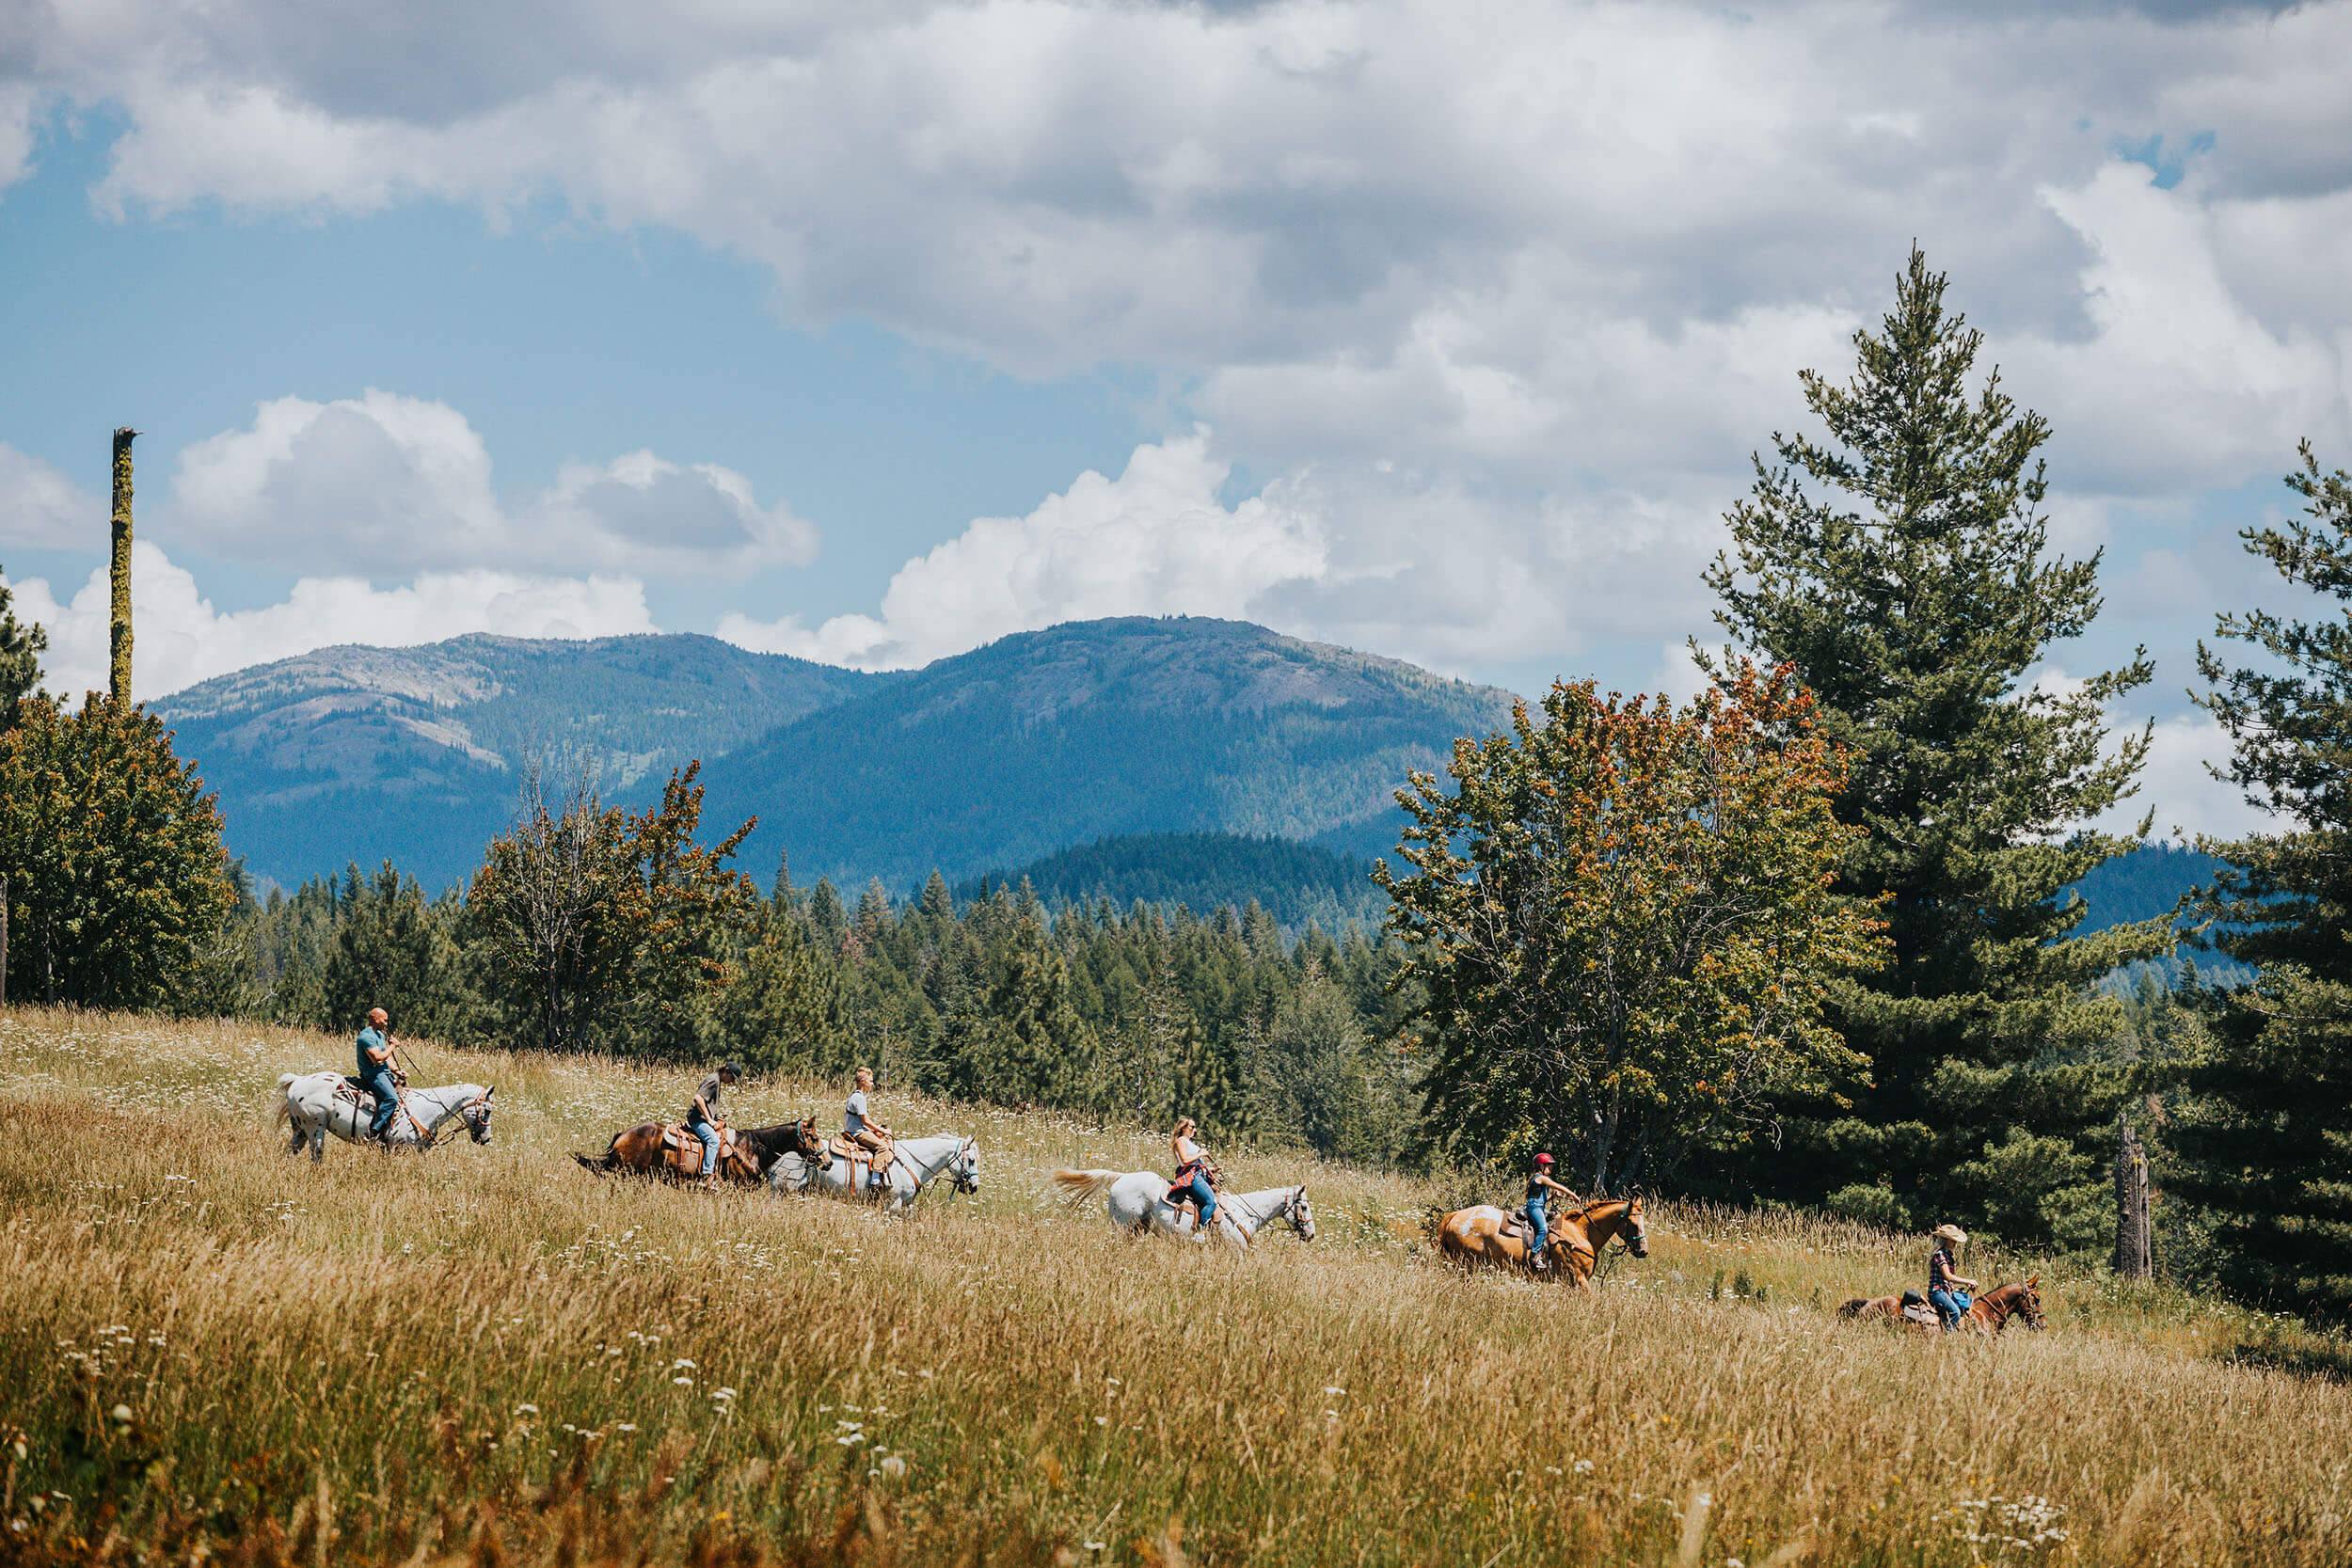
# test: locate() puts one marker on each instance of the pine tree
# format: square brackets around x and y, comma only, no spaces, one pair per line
[1902,568]
[390,950]
[111,852]
[2266,1133]
[20,647]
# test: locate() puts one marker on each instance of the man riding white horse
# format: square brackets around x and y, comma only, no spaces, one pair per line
[377,1074]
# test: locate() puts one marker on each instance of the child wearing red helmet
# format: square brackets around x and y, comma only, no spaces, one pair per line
[1540,1186]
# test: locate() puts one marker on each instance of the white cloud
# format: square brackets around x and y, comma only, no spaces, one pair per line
[384,483]
[2178,787]
[1154,540]
[181,638]
[41,509]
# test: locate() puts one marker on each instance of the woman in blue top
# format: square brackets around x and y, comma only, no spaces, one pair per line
[1540,1186]
[1947,1290]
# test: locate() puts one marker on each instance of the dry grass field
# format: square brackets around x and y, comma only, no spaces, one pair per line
[210,1352]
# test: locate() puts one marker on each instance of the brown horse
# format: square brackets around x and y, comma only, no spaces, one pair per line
[650,1149]
[1478,1237]
[1987,1315]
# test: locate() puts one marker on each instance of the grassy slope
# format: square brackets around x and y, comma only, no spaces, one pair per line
[491,1352]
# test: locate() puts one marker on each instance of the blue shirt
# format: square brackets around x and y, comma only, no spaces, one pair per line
[371,1039]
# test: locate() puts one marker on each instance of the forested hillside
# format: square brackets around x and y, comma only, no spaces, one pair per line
[1295,884]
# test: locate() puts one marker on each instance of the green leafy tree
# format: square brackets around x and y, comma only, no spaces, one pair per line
[600,927]
[1338,1094]
[1901,568]
[1620,924]
[2265,1133]
[111,852]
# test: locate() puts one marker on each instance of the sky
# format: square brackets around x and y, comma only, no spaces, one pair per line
[870,333]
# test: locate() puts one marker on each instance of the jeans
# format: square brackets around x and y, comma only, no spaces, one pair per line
[1538,1229]
[1947,1307]
[1199,1190]
[379,1084]
[710,1136]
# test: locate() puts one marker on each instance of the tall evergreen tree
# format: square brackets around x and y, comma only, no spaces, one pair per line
[21,646]
[2265,1134]
[111,852]
[390,950]
[1902,567]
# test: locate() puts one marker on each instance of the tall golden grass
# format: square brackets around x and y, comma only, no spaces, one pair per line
[209,1351]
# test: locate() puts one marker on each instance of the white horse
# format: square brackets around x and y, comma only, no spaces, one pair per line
[314,1103]
[1136,1202]
[915,1164]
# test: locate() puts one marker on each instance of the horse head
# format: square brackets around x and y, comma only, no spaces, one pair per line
[964,1169]
[2028,1303]
[811,1145]
[1301,1214]
[476,1115]
[1636,1228]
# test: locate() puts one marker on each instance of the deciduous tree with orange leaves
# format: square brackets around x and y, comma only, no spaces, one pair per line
[1620,926]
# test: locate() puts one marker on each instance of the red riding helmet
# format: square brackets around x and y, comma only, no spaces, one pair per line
[1543,1159]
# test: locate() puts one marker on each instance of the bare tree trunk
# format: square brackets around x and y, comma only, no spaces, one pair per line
[119,624]
[4,942]
[2134,1248]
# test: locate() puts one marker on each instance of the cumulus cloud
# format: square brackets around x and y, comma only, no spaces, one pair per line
[181,639]
[386,483]
[1155,539]
[41,509]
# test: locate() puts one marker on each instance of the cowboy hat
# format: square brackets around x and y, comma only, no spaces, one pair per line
[1951,1233]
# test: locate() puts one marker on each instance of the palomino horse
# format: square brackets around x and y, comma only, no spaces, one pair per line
[1475,1236]
[318,1103]
[645,1151]
[1136,1202]
[914,1163]
[1987,1314]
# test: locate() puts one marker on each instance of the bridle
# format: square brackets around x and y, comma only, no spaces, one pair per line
[962,1174]
[477,1127]
[1301,1213]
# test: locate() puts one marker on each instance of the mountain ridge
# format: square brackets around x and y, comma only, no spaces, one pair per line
[1036,742]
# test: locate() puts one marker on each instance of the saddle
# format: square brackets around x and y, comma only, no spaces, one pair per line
[684,1151]
[864,1163]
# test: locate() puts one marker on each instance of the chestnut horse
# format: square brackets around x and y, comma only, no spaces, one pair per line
[642,1150]
[1987,1315]
[1475,1236]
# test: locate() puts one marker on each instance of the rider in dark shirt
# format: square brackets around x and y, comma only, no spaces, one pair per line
[702,1117]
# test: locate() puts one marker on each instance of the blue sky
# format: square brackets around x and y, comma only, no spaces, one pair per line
[872,334]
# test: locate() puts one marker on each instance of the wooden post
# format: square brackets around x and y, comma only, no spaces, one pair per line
[119,625]
[2134,1240]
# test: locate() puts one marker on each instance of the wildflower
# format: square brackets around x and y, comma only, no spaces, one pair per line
[624,1426]
[526,1410]
[681,1365]
[893,1467]
[1583,1467]
[121,1413]
[683,1382]
[723,1393]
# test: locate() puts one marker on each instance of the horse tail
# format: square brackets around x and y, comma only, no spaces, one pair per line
[1853,1307]
[1080,1184]
[285,1099]
[611,1161]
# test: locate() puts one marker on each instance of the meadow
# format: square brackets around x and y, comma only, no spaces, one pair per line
[211,1351]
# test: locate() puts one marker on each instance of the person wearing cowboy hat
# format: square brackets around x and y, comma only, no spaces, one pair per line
[1947,1291]
[1540,1186]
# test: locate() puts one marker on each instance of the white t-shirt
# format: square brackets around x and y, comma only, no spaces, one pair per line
[854,1115]
[1186,1151]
